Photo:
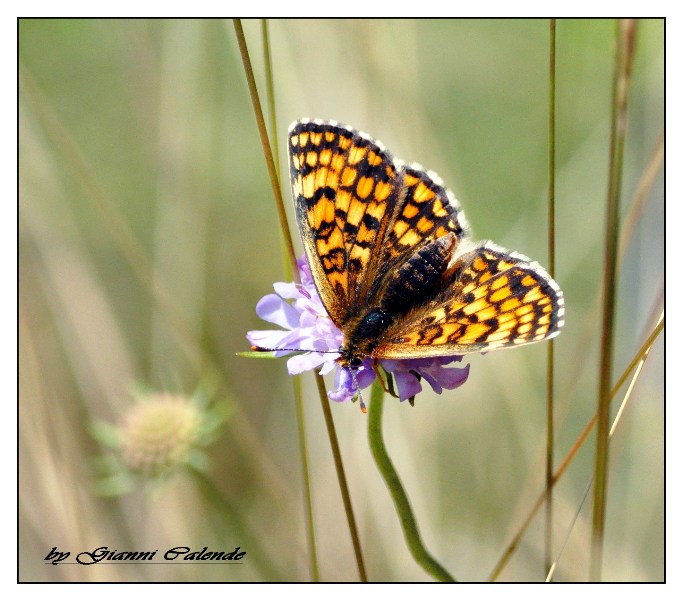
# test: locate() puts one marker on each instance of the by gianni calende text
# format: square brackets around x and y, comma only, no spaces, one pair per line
[178,553]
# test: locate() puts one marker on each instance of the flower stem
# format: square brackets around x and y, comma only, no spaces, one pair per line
[395,487]
[341,474]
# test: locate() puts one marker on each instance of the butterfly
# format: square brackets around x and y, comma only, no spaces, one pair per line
[393,261]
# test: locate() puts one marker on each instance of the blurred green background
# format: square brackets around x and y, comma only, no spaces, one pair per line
[148,233]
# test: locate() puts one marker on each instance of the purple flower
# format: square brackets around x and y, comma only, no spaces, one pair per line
[409,373]
[306,325]
[298,309]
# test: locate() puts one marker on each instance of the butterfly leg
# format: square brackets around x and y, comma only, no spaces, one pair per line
[387,385]
[375,368]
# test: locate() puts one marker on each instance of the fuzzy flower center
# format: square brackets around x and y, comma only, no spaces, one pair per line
[158,433]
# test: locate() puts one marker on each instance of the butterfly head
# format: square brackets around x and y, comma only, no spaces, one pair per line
[363,334]
[349,357]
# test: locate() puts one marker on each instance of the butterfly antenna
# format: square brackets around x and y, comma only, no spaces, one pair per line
[363,406]
[262,349]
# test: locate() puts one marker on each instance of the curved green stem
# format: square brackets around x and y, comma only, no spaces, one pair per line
[395,487]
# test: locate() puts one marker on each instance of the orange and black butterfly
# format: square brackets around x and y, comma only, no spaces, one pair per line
[392,258]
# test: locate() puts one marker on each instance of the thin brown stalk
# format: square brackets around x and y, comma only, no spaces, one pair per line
[549,459]
[272,113]
[270,91]
[267,150]
[296,381]
[644,349]
[635,208]
[624,54]
[614,426]
[307,494]
[341,475]
[644,185]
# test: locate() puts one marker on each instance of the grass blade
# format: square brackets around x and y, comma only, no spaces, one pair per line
[621,83]
[549,459]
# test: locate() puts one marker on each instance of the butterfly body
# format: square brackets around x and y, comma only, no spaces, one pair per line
[392,259]
[418,281]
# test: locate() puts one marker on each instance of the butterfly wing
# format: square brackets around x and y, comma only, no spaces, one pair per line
[359,214]
[426,211]
[497,299]
[345,187]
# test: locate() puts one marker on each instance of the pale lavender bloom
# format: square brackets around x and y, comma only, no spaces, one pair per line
[298,309]
[305,322]
[408,373]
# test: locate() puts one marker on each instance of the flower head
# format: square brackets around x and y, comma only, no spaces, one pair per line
[298,309]
[158,435]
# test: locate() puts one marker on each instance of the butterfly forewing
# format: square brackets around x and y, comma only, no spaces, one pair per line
[360,216]
[426,211]
[345,188]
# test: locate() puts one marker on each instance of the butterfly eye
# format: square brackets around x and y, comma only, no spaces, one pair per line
[355,361]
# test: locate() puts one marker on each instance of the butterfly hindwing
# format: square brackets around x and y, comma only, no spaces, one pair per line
[497,299]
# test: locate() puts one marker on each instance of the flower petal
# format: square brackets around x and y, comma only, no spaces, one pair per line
[267,338]
[329,365]
[344,388]
[407,383]
[453,377]
[304,362]
[275,310]
[289,291]
[348,383]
